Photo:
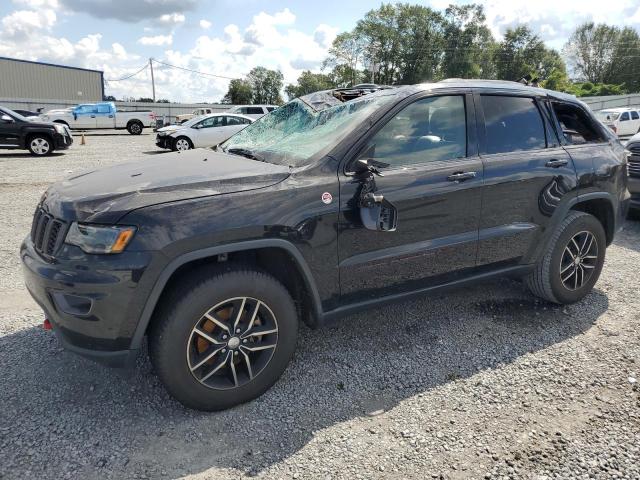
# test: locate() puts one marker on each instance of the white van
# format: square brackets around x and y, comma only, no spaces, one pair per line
[623,121]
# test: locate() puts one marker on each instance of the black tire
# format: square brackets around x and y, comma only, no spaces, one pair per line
[186,141]
[546,281]
[135,128]
[40,145]
[171,339]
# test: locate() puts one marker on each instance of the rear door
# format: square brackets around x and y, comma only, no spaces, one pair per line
[433,178]
[105,117]
[527,175]
[232,126]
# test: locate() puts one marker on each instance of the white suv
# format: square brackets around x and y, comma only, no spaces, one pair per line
[623,121]
[253,111]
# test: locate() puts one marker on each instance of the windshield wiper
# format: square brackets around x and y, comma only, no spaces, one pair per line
[245,152]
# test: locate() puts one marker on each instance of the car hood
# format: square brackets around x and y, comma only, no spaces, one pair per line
[634,139]
[105,195]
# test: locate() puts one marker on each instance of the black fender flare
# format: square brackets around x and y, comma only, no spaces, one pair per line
[562,212]
[169,270]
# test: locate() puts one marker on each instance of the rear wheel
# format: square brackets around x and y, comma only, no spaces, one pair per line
[571,266]
[223,338]
[40,145]
[182,143]
[135,128]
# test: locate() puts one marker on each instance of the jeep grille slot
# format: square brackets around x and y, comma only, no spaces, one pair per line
[634,162]
[47,233]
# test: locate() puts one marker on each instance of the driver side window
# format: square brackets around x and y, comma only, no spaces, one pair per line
[428,130]
[211,122]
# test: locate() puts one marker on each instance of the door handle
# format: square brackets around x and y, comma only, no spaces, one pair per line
[461,176]
[93,116]
[556,163]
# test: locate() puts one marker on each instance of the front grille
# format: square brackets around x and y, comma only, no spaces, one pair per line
[47,233]
[634,161]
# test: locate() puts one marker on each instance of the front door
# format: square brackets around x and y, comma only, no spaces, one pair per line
[527,176]
[84,116]
[208,131]
[9,130]
[426,152]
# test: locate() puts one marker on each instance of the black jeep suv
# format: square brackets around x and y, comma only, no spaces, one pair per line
[323,208]
[40,138]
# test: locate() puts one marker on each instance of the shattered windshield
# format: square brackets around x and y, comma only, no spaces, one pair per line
[296,132]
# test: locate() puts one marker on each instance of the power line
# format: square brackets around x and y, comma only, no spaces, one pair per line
[129,76]
[194,71]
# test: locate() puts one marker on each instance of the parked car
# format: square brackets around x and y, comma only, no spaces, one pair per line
[103,115]
[309,215]
[40,138]
[633,167]
[253,111]
[623,121]
[198,112]
[206,131]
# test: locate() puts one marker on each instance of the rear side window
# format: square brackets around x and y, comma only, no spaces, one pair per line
[430,129]
[624,116]
[235,121]
[104,109]
[634,116]
[252,110]
[270,109]
[577,126]
[512,124]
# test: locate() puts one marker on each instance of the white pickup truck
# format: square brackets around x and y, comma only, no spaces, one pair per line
[180,119]
[101,115]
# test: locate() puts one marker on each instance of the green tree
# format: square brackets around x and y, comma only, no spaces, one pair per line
[309,82]
[240,92]
[468,43]
[345,56]
[522,53]
[625,61]
[590,51]
[266,85]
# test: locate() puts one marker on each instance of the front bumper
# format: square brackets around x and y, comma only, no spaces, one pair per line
[94,302]
[62,142]
[164,141]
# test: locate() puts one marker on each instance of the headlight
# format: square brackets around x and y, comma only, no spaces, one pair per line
[99,239]
[167,132]
[60,129]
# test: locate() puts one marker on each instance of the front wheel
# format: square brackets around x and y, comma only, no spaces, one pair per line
[572,264]
[224,337]
[40,146]
[182,143]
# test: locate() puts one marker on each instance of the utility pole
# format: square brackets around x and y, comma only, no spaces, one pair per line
[153,83]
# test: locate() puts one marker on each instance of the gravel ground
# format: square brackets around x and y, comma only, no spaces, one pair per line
[482,383]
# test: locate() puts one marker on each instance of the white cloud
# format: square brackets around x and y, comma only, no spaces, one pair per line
[325,34]
[171,19]
[205,24]
[38,3]
[156,40]
[23,23]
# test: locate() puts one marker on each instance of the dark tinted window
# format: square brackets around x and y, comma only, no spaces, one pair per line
[255,110]
[512,124]
[634,116]
[624,116]
[211,122]
[235,121]
[577,126]
[428,130]
[270,109]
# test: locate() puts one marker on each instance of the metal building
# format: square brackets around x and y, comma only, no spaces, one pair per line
[23,79]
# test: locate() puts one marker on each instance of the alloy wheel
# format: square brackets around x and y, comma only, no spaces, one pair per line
[232,343]
[40,146]
[182,144]
[135,128]
[579,260]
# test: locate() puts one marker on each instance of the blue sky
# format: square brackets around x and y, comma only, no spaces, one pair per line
[229,37]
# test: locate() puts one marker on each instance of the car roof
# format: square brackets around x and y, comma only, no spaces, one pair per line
[618,109]
[225,114]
